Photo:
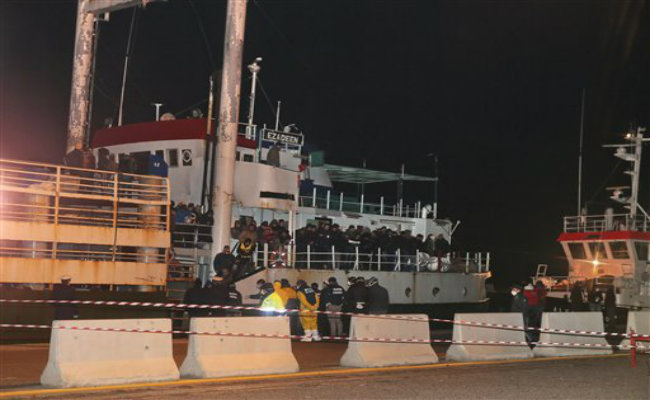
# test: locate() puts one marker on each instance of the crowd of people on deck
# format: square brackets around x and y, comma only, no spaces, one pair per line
[82,156]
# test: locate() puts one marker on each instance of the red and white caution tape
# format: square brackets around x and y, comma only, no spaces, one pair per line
[337,313]
[338,338]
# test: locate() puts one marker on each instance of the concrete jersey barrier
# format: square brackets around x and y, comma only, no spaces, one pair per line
[210,356]
[381,354]
[582,321]
[639,322]
[90,358]
[479,352]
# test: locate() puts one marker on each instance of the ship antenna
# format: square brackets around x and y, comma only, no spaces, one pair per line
[254,68]
[582,132]
[129,46]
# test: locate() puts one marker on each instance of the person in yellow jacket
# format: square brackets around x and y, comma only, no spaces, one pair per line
[309,302]
[277,288]
[271,301]
[292,304]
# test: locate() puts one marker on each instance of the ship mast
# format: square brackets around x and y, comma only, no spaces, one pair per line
[228,121]
[82,62]
[636,144]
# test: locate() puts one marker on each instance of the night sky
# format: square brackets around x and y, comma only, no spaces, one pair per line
[492,87]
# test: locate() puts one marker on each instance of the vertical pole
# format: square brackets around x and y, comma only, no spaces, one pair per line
[634,198]
[81,67]
[435,187]
[308,257]
[91,89]
[208,142]
[379,259]
[277,116]
[381,205]
[361,207]
[254,68]
[356,257]
[333,258]
[327,204]
[417,260]
[398,265]
[126,67]
[582,123]
[266,255]
[341,202]
[228,120]
[313,198]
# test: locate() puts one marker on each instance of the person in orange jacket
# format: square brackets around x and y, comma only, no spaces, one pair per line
[309,302]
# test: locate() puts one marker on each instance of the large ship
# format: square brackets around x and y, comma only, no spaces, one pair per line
[612,249]
[117,234]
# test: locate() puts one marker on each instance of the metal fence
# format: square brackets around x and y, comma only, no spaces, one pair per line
[601,223]
[338,202]
[38,192]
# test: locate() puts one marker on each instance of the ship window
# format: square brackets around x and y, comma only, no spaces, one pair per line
[597,250]
[577,251]
[237,156]
[187,158]
[172,156]
[248,157]
[642,251]
[619,250]
[160,154]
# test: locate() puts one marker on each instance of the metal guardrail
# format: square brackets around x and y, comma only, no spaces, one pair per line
[337,202]
[605,223]
[192,235]
[56,194]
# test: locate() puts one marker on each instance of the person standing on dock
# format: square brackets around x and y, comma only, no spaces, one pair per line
[64,291]
[377,295]
[333,297]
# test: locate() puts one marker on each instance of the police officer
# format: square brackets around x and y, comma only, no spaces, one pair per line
[218,296]
[64,291]
[357,296]
[334,296]
[378,299]
[309,302]
[193,296]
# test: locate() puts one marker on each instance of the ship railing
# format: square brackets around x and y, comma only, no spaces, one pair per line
[191,235]
[83,252]
[338,202]
[606,222]
[356,258]
[39,192]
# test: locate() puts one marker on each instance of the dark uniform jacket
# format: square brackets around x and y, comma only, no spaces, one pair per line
[356,298]
[64,292]
[333,294]
[377,300]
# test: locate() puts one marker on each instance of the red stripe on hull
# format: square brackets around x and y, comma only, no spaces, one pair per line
[178,129]
[610,235]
